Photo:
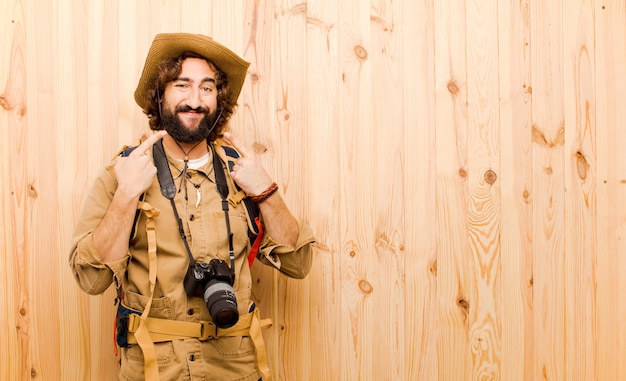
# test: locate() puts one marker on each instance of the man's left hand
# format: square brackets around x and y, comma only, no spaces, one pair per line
[248,172]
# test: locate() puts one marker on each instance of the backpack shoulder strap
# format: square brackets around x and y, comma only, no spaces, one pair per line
[251,207]
[255,230]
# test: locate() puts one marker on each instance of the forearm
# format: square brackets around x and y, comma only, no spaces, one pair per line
[279,223]
[112,234]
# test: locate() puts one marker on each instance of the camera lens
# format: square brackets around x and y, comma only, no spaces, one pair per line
[222,303]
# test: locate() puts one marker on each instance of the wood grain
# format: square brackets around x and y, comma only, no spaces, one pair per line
[516,176]
[461,163]
[484,199]
[610,67]
[580,183]
[454,271]
[16,317]
[416,23]
[548,177]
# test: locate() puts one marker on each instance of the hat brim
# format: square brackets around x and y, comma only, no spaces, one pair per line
[171,45]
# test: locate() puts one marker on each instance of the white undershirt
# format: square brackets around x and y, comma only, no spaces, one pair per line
[198,163]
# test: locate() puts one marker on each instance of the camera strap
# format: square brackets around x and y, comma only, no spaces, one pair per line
[222,188]
[168,189]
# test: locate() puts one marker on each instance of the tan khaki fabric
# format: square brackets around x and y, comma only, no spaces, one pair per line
[225,358]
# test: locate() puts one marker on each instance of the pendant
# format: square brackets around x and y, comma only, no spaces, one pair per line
[198,197]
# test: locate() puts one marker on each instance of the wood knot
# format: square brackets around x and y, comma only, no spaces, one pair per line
[365,286]
[462,172]
[464,304]
[259,148]
[453,88]
[464,307]
[581,165]
[433,268]
[32,191]
[360,52]
[255,77]
[490,177]
[283,115]
[4,103]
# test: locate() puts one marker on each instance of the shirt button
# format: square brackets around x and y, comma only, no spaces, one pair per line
[192,357]
[190,311]
[192,217]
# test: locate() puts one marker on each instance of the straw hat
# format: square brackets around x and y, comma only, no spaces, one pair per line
[172,45]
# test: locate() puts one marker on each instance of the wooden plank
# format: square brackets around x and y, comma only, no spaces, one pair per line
[322,179]
[357,196]
[387,260]
[454,272]
[516,190]
[40,167]
[484,209]
[15,319]
[548,185]
[417,26]
[580,178]
[610,228]
[76,124]
[289,154]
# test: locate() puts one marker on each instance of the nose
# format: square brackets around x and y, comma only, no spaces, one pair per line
[193,99]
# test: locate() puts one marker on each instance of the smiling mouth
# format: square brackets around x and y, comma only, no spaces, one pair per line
[199,110]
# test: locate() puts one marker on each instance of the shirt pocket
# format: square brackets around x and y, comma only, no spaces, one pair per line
[161,307]
[239,229]
[234,347]
[134,356]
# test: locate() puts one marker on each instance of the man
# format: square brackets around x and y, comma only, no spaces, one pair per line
[176,249]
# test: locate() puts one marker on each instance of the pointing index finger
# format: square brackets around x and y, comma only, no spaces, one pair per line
[149,142]
[236,144]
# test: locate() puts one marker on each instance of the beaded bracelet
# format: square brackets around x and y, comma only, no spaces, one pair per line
[266,194]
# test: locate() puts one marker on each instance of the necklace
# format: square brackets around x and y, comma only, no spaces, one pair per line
[184,176]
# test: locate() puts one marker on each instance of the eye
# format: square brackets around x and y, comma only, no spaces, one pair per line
[207,89]
[181,86]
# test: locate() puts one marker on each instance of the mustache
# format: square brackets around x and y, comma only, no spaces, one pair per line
[199,110]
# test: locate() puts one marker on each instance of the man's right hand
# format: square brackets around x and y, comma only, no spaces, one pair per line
[136,171]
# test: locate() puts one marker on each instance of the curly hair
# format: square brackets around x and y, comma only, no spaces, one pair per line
[168,71]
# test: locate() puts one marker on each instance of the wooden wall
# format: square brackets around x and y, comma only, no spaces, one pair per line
[462,164]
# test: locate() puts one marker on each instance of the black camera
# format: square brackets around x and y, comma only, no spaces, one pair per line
[214,281]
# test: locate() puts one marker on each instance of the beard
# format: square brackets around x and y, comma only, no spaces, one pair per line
[172,124]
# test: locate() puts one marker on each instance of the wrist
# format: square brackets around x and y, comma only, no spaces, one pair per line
[126,194]
[267,193]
